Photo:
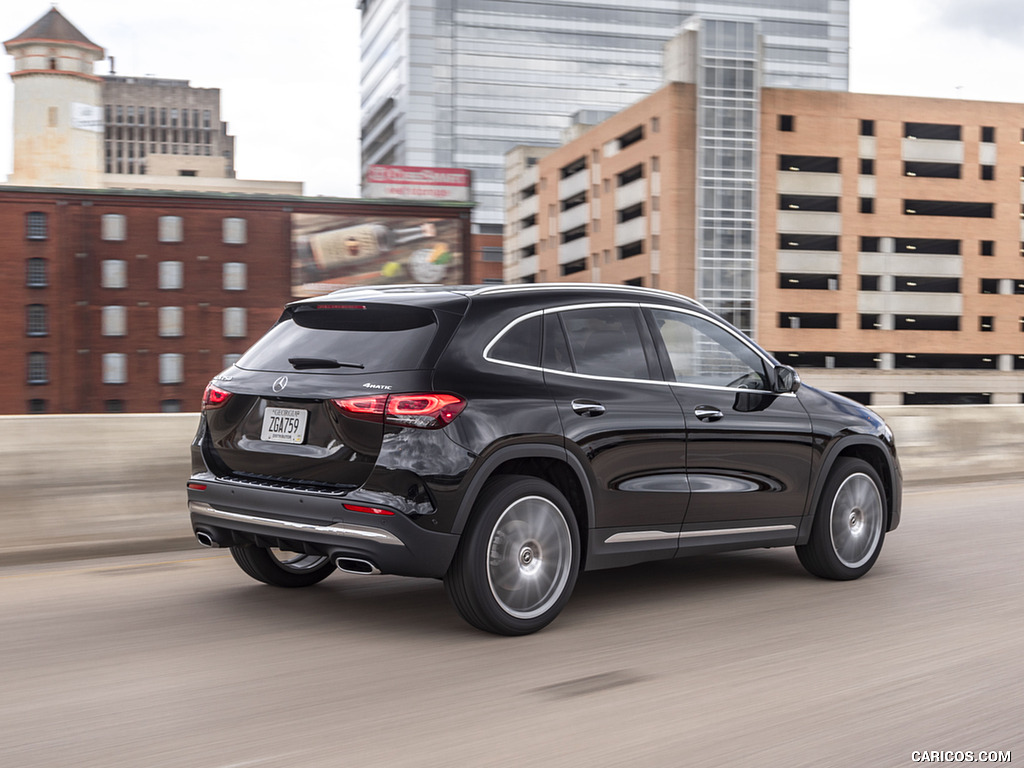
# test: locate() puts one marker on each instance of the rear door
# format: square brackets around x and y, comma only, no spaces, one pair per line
[621,419]
[300,396]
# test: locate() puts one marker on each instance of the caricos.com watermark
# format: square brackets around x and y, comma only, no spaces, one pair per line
[959,756]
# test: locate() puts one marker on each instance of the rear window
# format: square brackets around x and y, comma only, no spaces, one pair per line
[344,339]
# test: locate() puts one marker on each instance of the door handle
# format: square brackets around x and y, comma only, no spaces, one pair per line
[707,413]
[587,407]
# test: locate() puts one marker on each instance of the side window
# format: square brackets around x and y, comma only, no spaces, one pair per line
[701,352]
[605,341]
[519,344]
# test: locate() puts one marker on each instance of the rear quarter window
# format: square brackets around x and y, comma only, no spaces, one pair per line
[519,343]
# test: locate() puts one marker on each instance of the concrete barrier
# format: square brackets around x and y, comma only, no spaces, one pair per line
[92,485]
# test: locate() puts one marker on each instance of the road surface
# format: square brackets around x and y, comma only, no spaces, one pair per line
[728,660]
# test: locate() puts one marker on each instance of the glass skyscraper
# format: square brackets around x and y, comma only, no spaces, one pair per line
[457,83]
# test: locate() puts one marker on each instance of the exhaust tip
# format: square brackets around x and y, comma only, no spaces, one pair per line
[355,565]
[205,539]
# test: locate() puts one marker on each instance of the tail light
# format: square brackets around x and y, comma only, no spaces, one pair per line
[214,397]
[422,410]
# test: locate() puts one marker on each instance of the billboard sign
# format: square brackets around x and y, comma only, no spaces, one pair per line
[403,182]
[331,251]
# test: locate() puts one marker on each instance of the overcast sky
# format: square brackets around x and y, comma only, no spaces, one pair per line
[289,79]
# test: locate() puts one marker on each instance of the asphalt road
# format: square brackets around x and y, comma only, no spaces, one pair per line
[727,660]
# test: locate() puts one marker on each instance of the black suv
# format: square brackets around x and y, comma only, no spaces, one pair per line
[506,438]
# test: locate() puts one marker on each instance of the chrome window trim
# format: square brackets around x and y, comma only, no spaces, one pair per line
[377,535]
[615,304]
[635,536]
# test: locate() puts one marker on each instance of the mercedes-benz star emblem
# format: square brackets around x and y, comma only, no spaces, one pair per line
[280,383]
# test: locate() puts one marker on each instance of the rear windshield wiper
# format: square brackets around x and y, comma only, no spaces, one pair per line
[300,363]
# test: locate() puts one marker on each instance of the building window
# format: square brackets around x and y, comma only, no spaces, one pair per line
[808,281]
[115,368]
[170,322]
[869,282]
[988,248]
[37,405]
[230,359]
[870,322]
[631,137]
[948,208]
[172,369]
[988,172]
[867,205]
[235,231]
[492,254]
[631,249]
[867,127]
[170,406]
[36,320]
[867,166]
[809,163]
[574,167]
[35,273]
[808,320]
[170,229]
[36,225]
[655,125]
[786,123]
[113,406]
[38,368]
[234,276]
[630,175]
[572,267]
[791,242]
[171,275]
[113,226]
[986,323]
[234,322]
[938,131]
[988,133]
[113,273]
[931,170]
[113,321]
[989,285]
[629,213]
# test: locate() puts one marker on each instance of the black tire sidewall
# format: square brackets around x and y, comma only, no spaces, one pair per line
[467,581]
[819,556]
[261,565]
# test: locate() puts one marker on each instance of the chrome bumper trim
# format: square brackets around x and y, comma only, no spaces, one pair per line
[377,535]
[632,536]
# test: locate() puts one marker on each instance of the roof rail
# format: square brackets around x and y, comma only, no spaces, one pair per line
[488,289]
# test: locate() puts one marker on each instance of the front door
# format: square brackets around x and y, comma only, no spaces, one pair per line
[748,448]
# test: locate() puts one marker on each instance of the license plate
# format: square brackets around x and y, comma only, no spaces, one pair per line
[284,425]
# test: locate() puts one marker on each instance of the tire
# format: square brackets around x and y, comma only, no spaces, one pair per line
[518,559]
[849,525]
[282,569]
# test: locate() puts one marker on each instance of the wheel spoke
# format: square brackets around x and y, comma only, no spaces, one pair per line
[529,557]
[856,520]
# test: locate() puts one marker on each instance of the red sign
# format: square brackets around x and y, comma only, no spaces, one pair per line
[405,182]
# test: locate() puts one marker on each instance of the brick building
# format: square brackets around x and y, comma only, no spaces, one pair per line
[887,231]
[131,301]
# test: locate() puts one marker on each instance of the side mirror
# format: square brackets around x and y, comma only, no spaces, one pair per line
[786,379]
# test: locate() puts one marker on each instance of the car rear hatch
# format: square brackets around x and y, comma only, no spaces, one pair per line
[301,408]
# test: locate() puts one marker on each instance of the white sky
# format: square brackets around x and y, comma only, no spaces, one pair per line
[289,79]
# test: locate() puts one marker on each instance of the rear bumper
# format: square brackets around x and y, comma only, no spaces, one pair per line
[239,516]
